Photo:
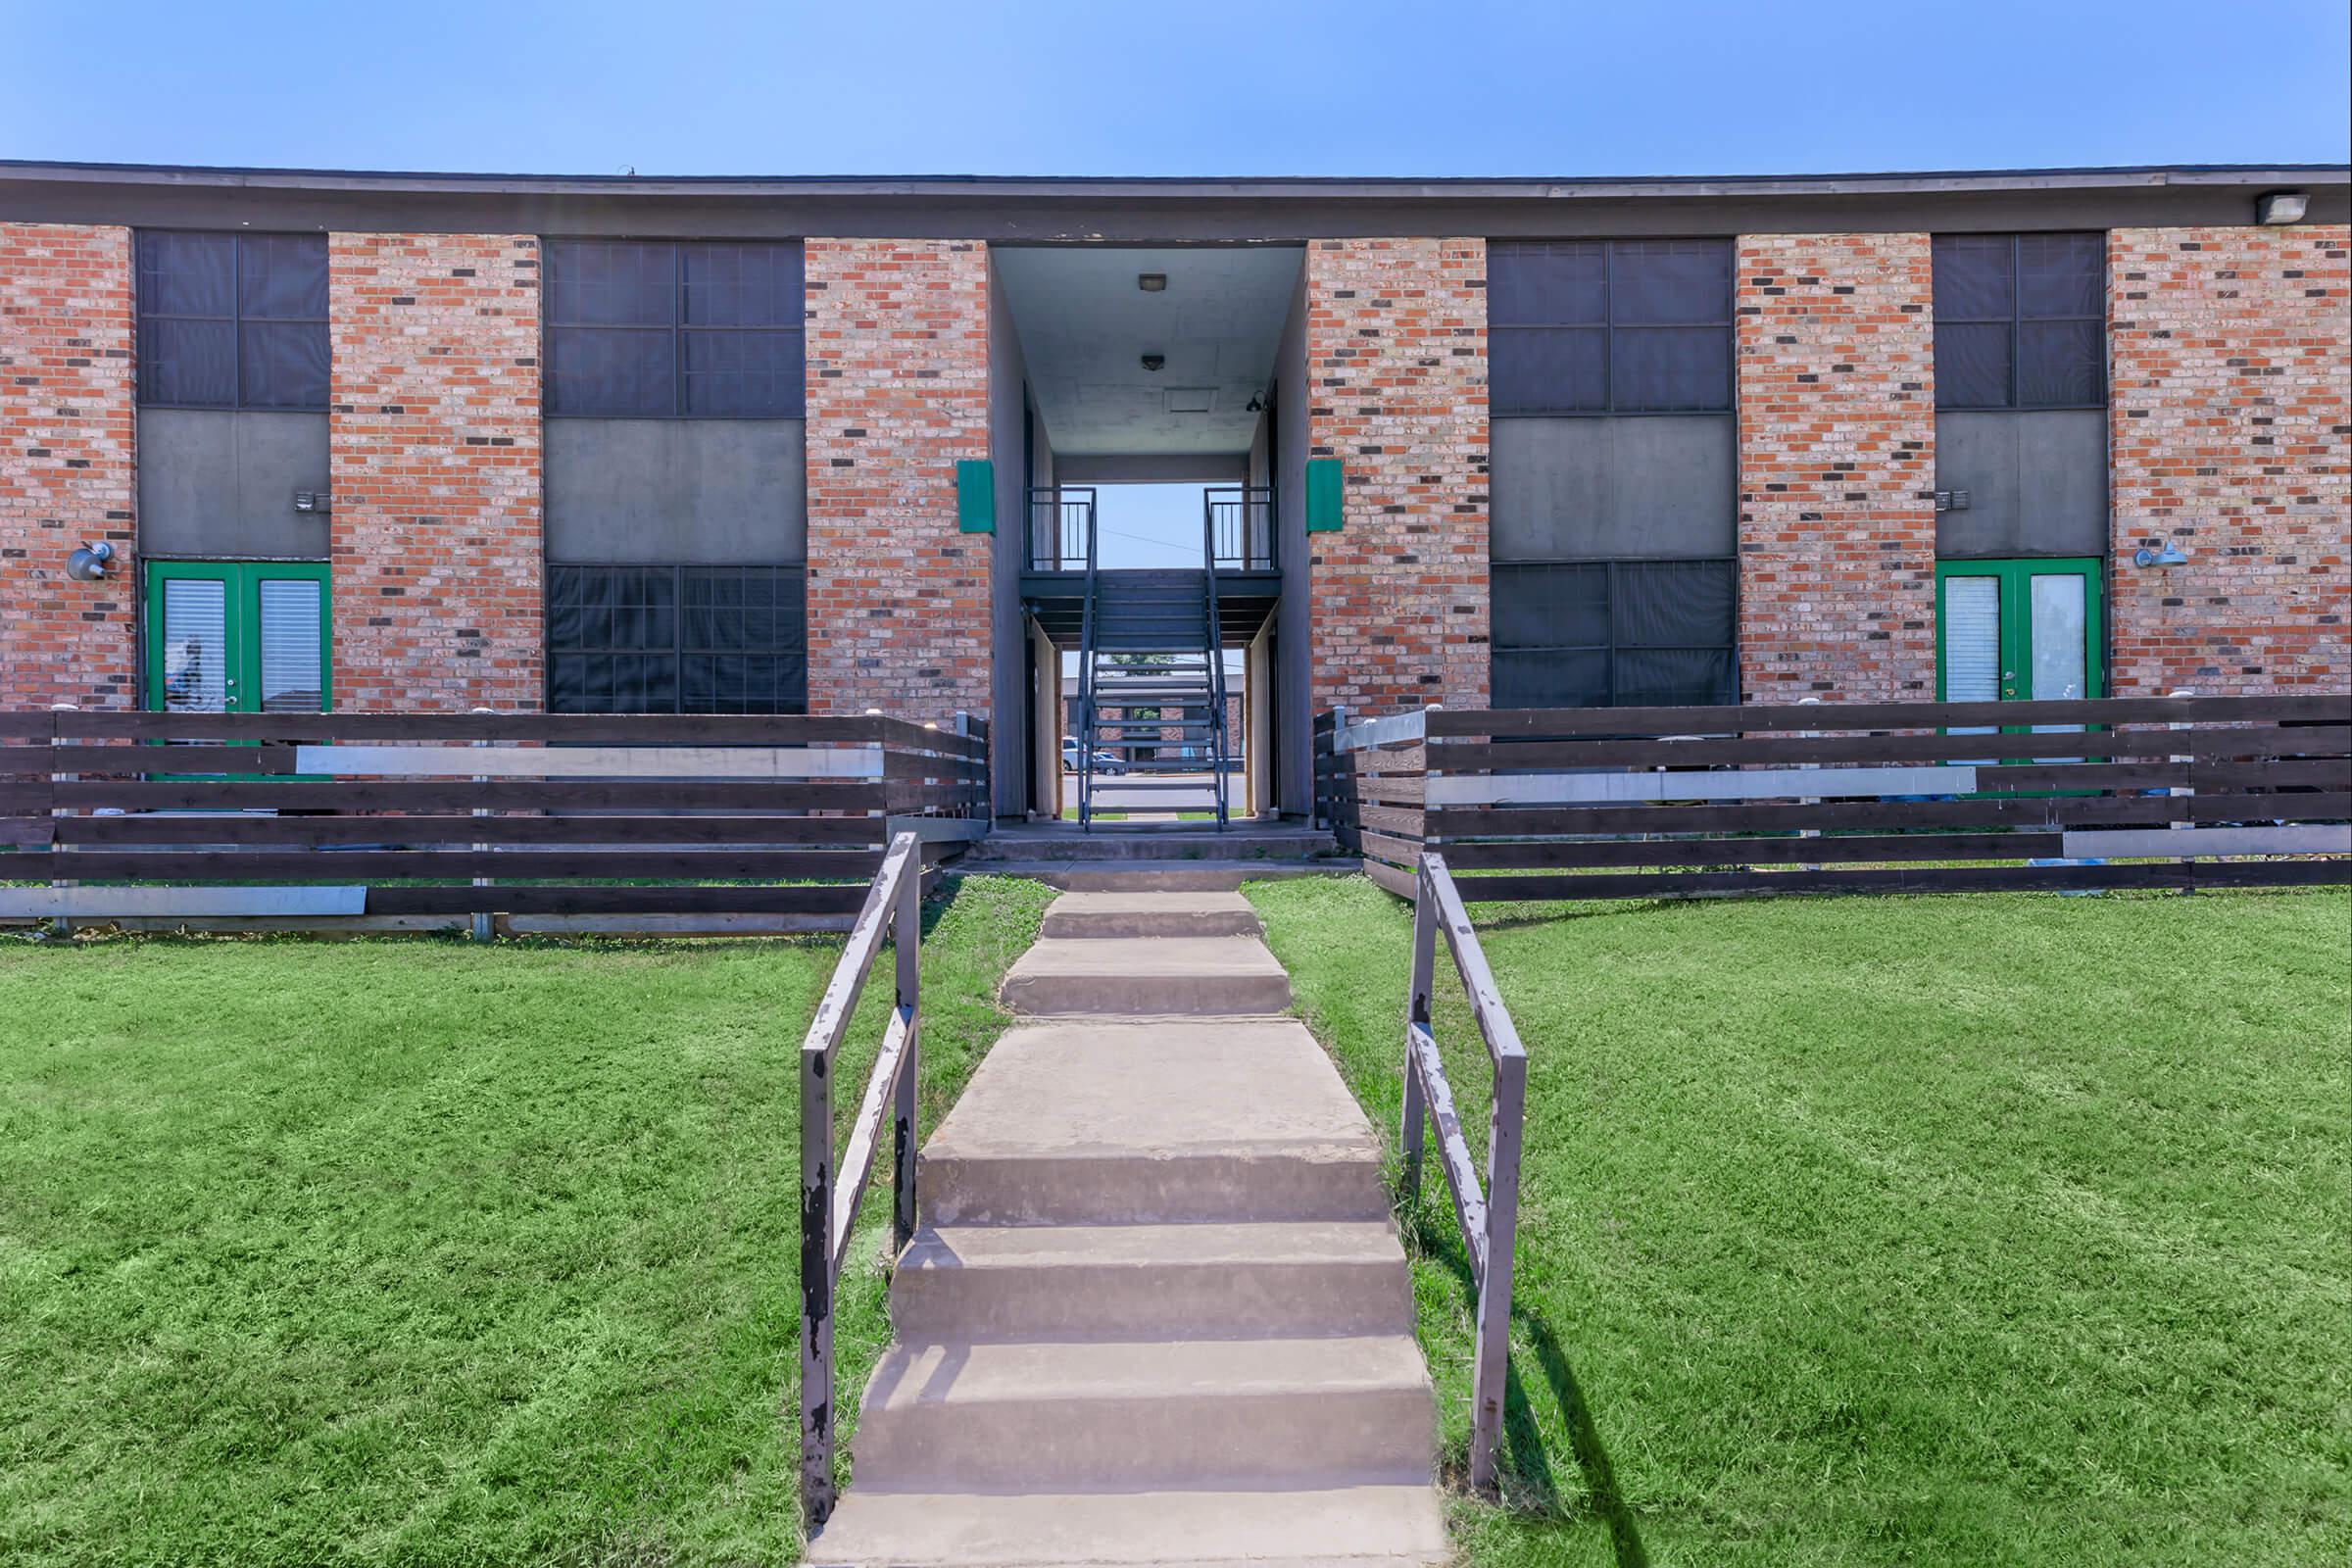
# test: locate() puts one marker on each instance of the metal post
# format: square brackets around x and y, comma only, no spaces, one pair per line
[1492,1359]
[1417,1013]
[816,1287]
[909,919]
[2178,791]
[481,917]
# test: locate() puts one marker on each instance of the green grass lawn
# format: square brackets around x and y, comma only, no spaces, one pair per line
[418,1253]
[1974,1229]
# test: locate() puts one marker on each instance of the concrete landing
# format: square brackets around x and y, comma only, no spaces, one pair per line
[1076,916]
[1155,1311]
[1201,977]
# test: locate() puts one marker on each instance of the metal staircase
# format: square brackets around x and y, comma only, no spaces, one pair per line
[1150,682]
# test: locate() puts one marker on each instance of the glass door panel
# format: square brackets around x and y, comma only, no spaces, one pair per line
[191,635]
[290,629]
[237,636]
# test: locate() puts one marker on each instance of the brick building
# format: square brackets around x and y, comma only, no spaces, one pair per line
[757,445]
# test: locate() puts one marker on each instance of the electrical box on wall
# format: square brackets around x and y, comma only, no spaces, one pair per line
[1324,479]
[975,496]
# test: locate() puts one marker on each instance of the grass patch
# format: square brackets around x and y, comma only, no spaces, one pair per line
[414,1251]
[1976,1229]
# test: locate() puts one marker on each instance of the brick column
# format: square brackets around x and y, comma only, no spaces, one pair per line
[2230,404]
[1396,378]
[1836,468]
[898,394]
[435,464]
[68,437]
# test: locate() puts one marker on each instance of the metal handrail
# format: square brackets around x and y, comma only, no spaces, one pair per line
[1488,1218]
[1086,684]
[1067,513]
[1213,652]
[829,1195]
[1242,526]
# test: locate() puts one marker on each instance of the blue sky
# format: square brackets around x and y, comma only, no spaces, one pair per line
[855,86]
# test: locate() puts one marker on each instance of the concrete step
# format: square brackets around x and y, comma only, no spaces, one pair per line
[1143,976]
[1136,1282]
[1335,1527]
[1163,1122]
[1066,1417]
[1076,916]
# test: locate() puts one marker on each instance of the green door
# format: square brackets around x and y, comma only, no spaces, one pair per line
[237,637]
[2018,630]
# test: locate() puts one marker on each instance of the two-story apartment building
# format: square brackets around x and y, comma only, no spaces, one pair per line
[728,444]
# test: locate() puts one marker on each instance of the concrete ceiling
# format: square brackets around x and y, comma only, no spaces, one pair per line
[1084,327]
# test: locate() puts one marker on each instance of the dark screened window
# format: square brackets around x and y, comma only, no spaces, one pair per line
[2021,320]
[1614,633]
[677,640]
[1610,326]
[232,321]
[654,329]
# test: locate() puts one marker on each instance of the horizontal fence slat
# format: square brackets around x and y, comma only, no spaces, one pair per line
[370,865]
[608,761]
[2293,839]
[2292,807]
[195,902]
[1725,785]
[1547,888]
[240,827]
[1914,747]
[1565,853]
[626,729]
[1455,823]
[428,795]
[840,899]
[1828,717]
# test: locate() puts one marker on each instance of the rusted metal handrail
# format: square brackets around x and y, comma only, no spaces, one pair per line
[1489,1217]
[829,1193]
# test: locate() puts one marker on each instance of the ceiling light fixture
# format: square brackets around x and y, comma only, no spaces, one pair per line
[1156,361]
[1151,282]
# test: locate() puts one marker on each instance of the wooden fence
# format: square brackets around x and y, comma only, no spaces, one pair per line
[2176,792]
[538,821]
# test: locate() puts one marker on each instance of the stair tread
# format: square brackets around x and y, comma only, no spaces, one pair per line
[1003,1246]
[1325,1527]
[960,1374]
[1169,1089]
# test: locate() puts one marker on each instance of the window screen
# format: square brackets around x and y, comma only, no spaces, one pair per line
[655,330]
[1614,633]
[2021,320]
[677,640]
[1610,326]
[232,321]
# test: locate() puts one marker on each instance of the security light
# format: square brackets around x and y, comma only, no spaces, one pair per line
[1151,282]
[1155,362]
[2172,555]
[88,564]
[2282,207]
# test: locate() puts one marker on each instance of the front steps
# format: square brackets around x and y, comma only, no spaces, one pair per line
[1158,1311]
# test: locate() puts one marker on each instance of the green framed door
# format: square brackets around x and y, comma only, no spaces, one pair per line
[2019,630]
[238,637]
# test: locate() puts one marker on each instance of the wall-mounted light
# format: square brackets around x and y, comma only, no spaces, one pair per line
[2282,207]
[1255,404]
[1156,361]
[1151,282]
[2172,555]
[310,501]
[88,564]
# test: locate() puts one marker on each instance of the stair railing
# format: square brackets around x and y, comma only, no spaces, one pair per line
[1086,685]
[829,1193]
[1213,652]
[1488,1217]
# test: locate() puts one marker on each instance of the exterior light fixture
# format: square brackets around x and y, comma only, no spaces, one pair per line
[88,564]
[310,501]
[1151,282]
[1156,361]
[2172,555]
[2282,207]
[1255,404]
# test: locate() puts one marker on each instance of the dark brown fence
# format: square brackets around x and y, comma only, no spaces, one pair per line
[544,821]
[2172,792]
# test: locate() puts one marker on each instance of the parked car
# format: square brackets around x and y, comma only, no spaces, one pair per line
[1105,762]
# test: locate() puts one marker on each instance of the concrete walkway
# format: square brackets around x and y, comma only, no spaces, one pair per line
[1158,1311]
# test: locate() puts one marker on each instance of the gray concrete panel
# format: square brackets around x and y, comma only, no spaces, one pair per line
[695,492]
[2037,482]
[1607,488]
[221,482]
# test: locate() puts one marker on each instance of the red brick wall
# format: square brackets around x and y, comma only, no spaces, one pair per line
[67,438]
[1836,365]
[2231,401]
[435,437]
[1396,375]
[898,394]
